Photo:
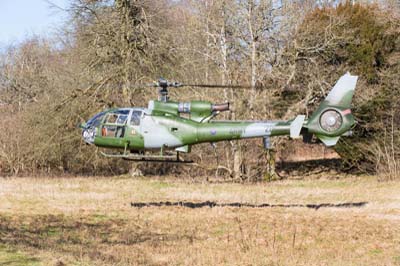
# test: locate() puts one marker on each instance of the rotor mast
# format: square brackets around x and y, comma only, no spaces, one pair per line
[163,84]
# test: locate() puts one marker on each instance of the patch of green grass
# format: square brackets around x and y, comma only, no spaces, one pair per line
[221,230]
[160,185]
[376,251]
[12,257]
[97,218]
[53,232]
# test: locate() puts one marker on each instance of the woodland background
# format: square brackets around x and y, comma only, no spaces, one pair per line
[290,52]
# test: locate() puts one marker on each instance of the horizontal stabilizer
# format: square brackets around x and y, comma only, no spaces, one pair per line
[296,125]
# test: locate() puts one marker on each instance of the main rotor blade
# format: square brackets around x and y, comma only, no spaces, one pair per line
[154,85]
[178,85]
[218,86]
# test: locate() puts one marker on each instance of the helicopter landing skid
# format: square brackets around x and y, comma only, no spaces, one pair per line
[147,158]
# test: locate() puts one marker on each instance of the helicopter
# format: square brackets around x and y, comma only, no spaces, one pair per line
[150,134]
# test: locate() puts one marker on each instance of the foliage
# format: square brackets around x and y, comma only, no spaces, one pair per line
[364,40]
[107,47]
[49,91]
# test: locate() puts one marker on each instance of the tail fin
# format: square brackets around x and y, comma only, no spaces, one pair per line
[342,93]
[333,117]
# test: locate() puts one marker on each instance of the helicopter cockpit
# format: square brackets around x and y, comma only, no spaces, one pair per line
[111,123]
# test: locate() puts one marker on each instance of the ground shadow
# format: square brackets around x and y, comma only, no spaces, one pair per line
[211,204]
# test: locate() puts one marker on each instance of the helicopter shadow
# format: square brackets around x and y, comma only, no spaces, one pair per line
[212,204]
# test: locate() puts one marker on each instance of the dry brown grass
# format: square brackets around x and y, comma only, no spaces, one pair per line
[89,221]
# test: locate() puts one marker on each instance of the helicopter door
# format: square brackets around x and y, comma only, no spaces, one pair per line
[115,124]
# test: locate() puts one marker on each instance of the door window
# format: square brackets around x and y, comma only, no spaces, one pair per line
[115,124]
[135,118]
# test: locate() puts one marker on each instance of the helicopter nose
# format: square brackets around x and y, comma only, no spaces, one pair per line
[88,134]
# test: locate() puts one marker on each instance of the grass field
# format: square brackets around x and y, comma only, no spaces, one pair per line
[90,221]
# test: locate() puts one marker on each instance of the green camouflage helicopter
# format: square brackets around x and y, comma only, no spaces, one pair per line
[137,132]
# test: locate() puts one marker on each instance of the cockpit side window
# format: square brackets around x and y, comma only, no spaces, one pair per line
[135,118]
[122,119]
[111,118]
[96,120]
[118,117]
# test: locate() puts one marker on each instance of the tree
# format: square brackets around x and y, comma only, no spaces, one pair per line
[361,39]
